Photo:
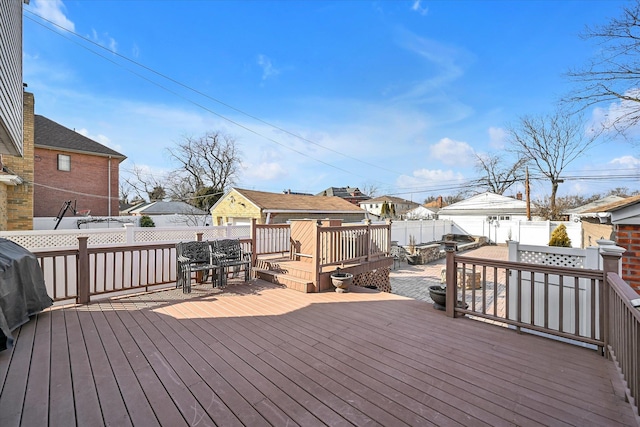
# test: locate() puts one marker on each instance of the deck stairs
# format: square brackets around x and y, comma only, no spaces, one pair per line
[295,275]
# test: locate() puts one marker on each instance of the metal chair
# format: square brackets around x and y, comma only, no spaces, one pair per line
[228,253]
[193,257]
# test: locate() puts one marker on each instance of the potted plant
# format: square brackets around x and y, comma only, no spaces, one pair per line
[341,280]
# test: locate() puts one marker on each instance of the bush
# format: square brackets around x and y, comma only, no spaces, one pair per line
[559,237]
[146,221]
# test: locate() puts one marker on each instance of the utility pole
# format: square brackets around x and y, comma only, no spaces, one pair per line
[527,194]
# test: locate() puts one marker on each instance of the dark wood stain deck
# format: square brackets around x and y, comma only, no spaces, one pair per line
[257,354]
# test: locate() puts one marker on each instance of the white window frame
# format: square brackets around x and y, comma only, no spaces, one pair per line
[64,162]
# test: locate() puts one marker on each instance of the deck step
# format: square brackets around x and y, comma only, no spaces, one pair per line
[291,282]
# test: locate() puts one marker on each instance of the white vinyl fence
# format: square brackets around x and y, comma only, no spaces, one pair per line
[543,294]
[129,235]
[424,231]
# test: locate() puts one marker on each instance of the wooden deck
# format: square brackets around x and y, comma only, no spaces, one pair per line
[257,354]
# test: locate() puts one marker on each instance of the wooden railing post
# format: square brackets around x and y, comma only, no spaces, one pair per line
[199,235]
[254,246]
[388,248]
[316,254]
[367,249]
[452,291]
[611,255]
[83,290]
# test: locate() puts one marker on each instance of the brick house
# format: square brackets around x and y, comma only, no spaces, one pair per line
[71,167]
[350,194]
[239,206]
[625,217]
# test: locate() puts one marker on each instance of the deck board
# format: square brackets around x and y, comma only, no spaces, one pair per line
[258,354]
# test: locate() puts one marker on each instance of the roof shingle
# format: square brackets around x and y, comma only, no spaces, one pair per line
[49,134]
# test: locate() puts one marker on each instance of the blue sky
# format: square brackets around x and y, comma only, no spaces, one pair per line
[396,94]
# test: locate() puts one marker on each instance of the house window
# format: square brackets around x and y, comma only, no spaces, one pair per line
[64,162]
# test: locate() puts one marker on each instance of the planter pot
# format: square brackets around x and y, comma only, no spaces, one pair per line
[439,296]
[341,281]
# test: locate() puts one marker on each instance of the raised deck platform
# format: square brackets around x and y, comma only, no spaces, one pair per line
[257,354]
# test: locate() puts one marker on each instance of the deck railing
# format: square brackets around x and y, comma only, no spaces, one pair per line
[85,272]
[351,244]
[623,334]
[271,238]
[592,307]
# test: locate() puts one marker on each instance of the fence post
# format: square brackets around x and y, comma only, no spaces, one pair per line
[452,291]
[83,271]
[367,241]
[512,246]
[611,258]
[254,246]
[129,236]
[388,249]
[315,255]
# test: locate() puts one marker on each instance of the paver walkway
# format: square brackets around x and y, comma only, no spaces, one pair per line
[413,281]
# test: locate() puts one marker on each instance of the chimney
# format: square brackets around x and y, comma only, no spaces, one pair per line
[439,201]
[519,196]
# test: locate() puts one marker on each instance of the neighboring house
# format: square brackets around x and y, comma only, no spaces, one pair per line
[16,125]
[350,194]
[240,206]
[486,206]
[400,206]
[624,215]
[71,167]
[595,224]
[436,205]
[11,115]
[421,212]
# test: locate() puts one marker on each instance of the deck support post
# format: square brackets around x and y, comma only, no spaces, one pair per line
[452,291]
[83,294]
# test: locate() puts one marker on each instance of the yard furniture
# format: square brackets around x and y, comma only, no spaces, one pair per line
[228,253]
[194,257]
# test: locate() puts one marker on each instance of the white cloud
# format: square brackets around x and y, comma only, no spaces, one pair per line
[53,10]
[497,137]
[423,178]
[104,40]
[452,152]
[618,115]
[628,162]
[268,70]
[100,138]
[266,171]
[417,7]
[448,63]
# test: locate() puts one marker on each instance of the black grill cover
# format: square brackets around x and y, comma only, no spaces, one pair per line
[22,289]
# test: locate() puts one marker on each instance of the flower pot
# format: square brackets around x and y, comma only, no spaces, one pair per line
[439,296]
[341,281]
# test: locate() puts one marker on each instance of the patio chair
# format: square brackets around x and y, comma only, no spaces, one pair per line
[228,253]
[194,257]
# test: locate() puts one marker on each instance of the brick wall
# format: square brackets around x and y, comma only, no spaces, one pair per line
[628,237]
[86,184]
[18,203]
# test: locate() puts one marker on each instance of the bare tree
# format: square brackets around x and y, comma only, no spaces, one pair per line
[614,74]
[144,183]
[211,160]
[498,175]
[550,143]
[370,189]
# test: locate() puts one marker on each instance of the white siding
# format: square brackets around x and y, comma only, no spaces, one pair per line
[11,77]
